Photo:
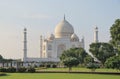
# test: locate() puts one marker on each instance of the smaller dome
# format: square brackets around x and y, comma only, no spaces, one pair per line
[51,37]
[74,37]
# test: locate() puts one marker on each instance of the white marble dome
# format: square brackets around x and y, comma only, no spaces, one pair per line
[64,29]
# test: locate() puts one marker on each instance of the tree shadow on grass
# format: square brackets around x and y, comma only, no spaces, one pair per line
[3,74]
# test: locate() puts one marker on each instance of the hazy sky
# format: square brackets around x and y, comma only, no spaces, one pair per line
[41,17]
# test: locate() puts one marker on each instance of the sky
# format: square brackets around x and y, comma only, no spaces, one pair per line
[41,16]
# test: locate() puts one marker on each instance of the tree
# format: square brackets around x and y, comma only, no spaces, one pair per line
[1,57]
[88,59]
[115,34]
[93,66]
[102,51]
[3,60]
[70,61]
[73,57]
[90,63]
[113,62]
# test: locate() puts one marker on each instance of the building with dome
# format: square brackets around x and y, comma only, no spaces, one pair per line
[52,47]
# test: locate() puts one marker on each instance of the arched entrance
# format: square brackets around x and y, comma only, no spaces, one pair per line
[60,49]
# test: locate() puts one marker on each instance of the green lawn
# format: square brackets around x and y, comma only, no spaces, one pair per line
[57,76]
[76,69]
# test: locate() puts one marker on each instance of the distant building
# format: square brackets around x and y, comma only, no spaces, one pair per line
[53,46]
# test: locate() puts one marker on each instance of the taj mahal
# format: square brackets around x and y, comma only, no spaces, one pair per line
[52,47]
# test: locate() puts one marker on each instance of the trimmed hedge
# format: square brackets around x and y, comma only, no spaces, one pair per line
[21,70]
[3,69]
[48,66]
[31,70]
[93,66]
[11,69]
[54,66]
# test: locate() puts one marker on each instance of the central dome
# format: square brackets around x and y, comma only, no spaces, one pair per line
[64,29]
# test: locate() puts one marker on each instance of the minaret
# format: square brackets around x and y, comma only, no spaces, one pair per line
[96,35]
[64,16]
[25,44]
[83,42]
[41,40]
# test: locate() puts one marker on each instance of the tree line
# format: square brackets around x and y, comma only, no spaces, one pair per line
[107,54]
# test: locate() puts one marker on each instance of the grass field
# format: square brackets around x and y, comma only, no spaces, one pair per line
[57,76]
[76,69]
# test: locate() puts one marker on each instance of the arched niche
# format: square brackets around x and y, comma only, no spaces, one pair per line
[60,49]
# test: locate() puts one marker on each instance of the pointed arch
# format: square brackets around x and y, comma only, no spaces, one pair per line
[60,49]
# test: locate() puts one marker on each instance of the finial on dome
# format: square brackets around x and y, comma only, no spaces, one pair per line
[64,16]
[96,27]
[25,29]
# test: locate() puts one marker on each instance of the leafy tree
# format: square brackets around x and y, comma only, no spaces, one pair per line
[115,34]
[93,66]
[1,57]
[113,62]
[102,51]
[88,59]
[73,57]
[70,61]
[90,63]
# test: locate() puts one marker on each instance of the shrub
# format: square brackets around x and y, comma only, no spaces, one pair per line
[93,66]
[22,69]
[42,65]
[3,69]
[113,62]
[48,66]
[54,66]
[31,70]
[11,69]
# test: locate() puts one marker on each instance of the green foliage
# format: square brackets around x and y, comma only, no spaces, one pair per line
[90,64]
[54,66]
[3,69]
[115,33]
[4,60]
[93,66]
[31,70]
[113,62]
[73,57]
[102,51]
[42,65]
[1,57]
[22,69]
[11,69]
[88,59]
[71,61]
[78,53]
[48,66]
